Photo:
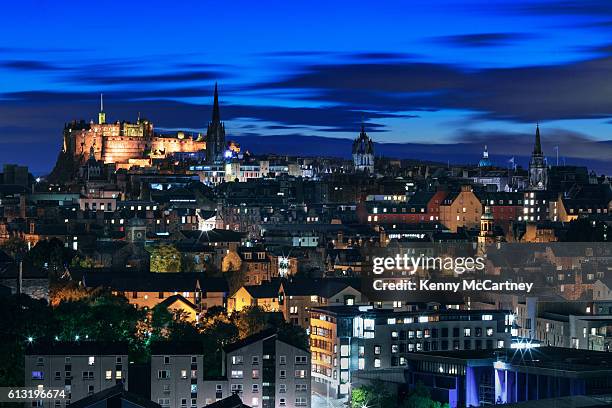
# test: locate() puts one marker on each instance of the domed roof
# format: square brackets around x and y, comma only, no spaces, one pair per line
[485,161]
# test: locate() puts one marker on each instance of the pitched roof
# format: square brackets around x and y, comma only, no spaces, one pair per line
[265,290]
[262,335]
[321,287]
[177,348]
[233,401]
[77,348]
[177,298]
[215,235]
[114,393]
[155,282]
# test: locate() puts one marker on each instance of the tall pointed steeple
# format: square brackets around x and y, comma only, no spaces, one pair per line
[216,117]
[215,134]
[538,171]
[537,148]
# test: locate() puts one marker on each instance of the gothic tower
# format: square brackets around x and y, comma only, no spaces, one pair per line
[538,171]
[215,134]
[363,152]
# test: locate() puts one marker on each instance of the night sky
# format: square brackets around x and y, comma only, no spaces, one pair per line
[468,72]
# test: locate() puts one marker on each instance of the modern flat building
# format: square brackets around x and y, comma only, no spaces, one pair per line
[80,368]
[265,372]
[177,374]
[486,377]
[344,339]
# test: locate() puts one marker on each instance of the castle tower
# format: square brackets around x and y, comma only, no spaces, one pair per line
[101,114]
[215,134]
[363,152]
[538,171]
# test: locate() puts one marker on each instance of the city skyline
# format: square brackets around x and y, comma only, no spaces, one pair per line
[461,80]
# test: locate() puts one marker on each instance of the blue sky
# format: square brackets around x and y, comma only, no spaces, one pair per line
[428,72]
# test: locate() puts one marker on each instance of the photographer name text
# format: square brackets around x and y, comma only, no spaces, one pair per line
[467,285]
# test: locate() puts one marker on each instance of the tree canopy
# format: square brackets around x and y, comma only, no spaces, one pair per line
[165,258]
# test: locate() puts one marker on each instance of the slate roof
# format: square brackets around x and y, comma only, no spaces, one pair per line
[77,348]
[177,298]
[114,393]
[262,335]
[233,401]
[215,235]
[155,282]
[160,348]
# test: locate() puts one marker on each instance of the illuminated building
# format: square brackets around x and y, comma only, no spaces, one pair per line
[538,170]
[122,142]
[347,339]
[215,134]
[462,209]
[264,371]
[363,152]
[79,368]
[525,372]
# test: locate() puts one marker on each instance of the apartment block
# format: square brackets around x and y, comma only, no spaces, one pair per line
[177,374]
[347,339]
[265,372]
[80,368]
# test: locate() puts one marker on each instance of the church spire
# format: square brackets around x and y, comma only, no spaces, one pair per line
[537,149]
[216,117]
[215,134]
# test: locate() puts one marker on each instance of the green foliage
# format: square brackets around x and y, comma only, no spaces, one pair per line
[235,279]
[21,318]
[165,258]
[103,318]
[82,315]
[51,255]
[60,291]
[84,262]
[376,395]
[420,397]
[292,334]
[187,264]
[14,246]
[252,320]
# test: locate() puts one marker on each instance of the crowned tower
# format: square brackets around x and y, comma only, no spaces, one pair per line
[215,134]
[363,152]
[538,171]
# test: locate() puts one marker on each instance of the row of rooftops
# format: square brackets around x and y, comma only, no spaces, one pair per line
[153,282]
[553,358]
[425,310]
[158,348]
